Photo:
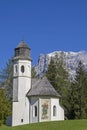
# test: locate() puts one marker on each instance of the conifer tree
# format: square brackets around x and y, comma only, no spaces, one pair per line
[5,107]
[51,72]
[58,77]
[62,81]
[33,73]
[6,78]
[79,94]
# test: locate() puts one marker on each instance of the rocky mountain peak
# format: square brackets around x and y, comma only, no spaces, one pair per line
[71,58]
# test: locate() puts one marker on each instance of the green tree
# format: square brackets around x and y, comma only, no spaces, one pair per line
[58,76]
[62,73]
[51,72]
[62,81]
[5,106]
[79,94]
[33,72]
[72,101]
[6,78]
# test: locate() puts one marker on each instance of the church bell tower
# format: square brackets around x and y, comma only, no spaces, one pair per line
[21,84]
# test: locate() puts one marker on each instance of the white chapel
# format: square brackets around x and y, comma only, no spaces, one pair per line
[34,100]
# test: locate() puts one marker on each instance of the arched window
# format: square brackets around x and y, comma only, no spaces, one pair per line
[22,69]
[54,110]
[35,109]
[16,68]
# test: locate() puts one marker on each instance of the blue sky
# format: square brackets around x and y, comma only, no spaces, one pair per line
[46,25]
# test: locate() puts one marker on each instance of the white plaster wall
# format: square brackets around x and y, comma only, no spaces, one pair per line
[27,65]
[54,102]
[24,85]
[22,82]
[19,63]
[61,113]
[34,101]
[59,110]
[15,89]
[20,111]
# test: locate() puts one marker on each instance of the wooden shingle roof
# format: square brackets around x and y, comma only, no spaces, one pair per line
[22,44]
[22,51]
[42,87]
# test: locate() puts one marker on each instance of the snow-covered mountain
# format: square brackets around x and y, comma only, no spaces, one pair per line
[71,58]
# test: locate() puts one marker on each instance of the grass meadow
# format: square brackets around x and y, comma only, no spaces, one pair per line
[55,125]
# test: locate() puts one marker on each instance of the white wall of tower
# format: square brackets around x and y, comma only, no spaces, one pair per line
[21,85]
